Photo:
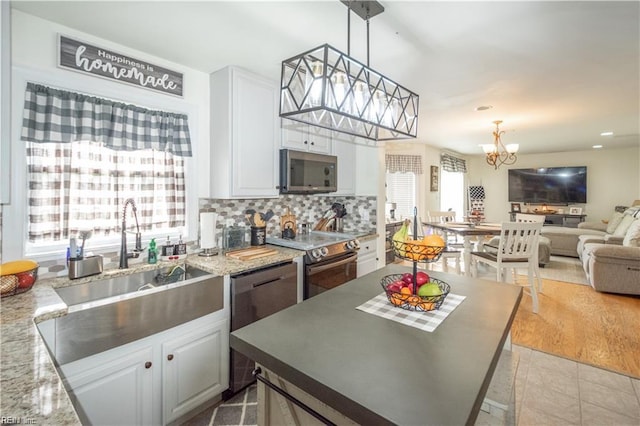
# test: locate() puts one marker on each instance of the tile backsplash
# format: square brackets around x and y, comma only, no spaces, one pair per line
[360,218]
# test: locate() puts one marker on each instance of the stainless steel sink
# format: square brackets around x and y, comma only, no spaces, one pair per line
[126,284]
[108,313]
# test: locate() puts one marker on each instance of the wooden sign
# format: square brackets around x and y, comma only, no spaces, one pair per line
[86,58]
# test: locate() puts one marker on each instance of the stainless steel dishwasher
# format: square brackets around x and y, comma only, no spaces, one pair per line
[256,295]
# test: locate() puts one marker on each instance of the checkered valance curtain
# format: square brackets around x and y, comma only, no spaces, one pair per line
[403,163]
[453,164]
[52,115]
[79,179]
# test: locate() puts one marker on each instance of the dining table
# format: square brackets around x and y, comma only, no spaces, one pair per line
[466,230]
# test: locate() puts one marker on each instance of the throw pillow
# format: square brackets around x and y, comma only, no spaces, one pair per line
[622,227]
[614,222]
[632,237]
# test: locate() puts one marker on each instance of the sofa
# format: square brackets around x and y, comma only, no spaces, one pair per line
[612,262]
[564,240]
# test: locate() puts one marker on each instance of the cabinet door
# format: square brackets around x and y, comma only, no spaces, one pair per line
[195,368]
[368,169]
[255,136]
[303,137]
[114,389]
[367,261]
[346,153]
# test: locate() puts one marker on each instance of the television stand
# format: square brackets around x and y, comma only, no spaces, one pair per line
[557,219]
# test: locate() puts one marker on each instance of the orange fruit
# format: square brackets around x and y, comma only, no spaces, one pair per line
[405,290]
[396,299]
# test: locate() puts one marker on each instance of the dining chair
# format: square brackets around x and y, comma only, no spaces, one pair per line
[453,247]
[518,248]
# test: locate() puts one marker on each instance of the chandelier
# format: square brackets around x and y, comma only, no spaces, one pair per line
[497,153]
[327,88]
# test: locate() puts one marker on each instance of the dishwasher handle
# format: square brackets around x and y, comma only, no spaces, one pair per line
[247,282]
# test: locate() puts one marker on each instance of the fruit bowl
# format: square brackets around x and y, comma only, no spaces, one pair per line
[414,251]
[17,277]
[413,302]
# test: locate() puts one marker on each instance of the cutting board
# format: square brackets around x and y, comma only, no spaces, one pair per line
[251,253]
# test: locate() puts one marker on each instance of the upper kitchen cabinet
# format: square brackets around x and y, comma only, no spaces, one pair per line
[304,137]
[346,153]
[245,135]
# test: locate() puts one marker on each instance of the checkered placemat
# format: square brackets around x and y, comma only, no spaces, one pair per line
[427,321]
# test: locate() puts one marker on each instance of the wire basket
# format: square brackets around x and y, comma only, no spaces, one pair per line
[413,302]
[18,283]
[417,252]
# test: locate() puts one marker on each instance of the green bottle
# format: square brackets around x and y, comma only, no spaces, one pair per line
[153,252]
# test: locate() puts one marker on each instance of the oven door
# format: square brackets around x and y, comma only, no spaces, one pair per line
[323,276]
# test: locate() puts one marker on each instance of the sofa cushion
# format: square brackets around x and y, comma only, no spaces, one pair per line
[621,229]
[614,222]
[632,237]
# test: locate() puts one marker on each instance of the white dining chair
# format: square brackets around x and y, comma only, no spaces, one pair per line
[453,247]
[518,248]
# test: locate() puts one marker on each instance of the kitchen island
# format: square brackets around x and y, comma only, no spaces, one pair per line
[376,371]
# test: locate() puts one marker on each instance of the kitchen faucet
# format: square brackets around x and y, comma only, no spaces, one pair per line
[124,255]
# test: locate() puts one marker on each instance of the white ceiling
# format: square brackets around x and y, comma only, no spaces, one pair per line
[557,73]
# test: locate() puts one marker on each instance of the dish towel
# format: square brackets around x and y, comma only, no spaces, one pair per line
[476,200]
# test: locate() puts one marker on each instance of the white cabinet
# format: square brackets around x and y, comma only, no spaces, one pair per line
[115,389]
[303,137]
[346,153]
[367,261]
[368,169]
[245,135]
[194,369]
[154,380]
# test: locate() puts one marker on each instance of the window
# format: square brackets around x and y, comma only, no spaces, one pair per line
[86,156]
[452,193]
[401,189]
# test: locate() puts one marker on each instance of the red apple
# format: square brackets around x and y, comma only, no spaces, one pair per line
[422,278]
[395,286]
[409,286]
[407,277]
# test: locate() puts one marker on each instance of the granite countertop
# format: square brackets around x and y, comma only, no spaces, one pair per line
[32,391]
[378,371]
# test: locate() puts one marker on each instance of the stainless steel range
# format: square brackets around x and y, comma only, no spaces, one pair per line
[330,259]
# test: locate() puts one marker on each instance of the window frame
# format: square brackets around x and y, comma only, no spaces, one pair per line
[14,214]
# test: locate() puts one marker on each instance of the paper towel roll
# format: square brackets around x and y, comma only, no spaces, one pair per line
[208,229]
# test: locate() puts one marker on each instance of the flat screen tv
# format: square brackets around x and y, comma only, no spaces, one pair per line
[548,185]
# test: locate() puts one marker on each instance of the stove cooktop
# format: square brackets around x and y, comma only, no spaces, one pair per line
[312,240]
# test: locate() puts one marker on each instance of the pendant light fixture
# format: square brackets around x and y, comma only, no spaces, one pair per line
[497,153]
[327,88]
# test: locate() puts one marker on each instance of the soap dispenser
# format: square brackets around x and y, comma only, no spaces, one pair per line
[153,252]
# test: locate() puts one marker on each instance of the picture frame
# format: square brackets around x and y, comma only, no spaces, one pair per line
[575,210]
[515,207]
[434,178]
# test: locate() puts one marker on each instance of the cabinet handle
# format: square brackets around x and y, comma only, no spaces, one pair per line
[170,357]
[306,142]
[147,364]
[313,143]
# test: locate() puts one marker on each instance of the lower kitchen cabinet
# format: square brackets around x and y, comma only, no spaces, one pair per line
[154,380]
[116,389]
[194,370]
[367,260]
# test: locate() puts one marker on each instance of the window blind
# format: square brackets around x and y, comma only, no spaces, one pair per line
[401,189]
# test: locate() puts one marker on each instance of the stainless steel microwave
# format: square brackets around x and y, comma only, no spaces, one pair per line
[307,173]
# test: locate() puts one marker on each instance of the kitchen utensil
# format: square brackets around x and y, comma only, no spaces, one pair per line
[268,215]
[84,235]
[258,220]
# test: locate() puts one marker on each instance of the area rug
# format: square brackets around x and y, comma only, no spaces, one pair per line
[579,323]
[562,268]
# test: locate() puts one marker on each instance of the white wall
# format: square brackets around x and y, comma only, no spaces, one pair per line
[612,179]
[34,49]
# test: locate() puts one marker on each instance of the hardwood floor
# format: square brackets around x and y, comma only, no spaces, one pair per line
[582,324]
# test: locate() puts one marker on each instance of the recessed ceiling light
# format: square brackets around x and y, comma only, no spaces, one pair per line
[606,134]
[483,107]
[597,146]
